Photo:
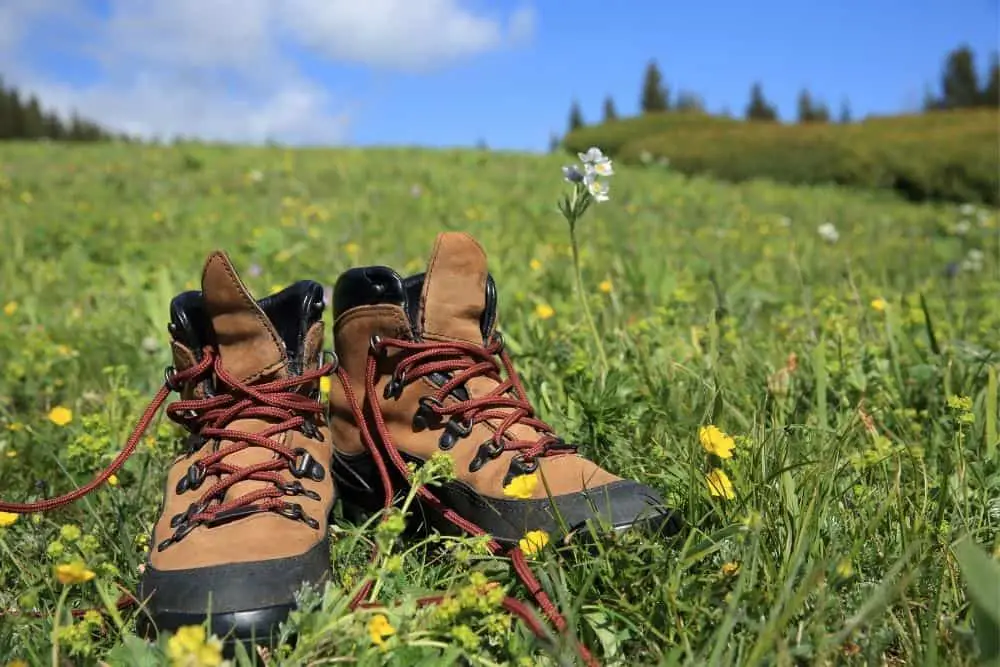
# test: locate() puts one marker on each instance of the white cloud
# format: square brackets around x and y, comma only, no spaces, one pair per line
[15,15]
[218,69]
[404,35]
[296,113]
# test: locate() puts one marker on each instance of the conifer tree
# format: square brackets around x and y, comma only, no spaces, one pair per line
[759,109]
[844,117]
[575,116]
[959,82]
[610,113]
[655,96]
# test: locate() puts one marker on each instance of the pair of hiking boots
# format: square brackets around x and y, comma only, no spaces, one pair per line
[420,368]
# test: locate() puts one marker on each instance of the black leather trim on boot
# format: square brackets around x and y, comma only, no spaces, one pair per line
[248,600]
[367,286]
[619,505]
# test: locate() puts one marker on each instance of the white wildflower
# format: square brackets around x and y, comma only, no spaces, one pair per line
[973,262]
[592,156]
[828,232]
[598,189]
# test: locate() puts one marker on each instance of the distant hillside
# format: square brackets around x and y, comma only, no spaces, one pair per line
[943,155]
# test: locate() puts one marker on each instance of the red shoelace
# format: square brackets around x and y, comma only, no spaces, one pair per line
[277,400]
[469,361]
[206,418]
[506,402]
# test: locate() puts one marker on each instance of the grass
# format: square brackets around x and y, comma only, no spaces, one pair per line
[858,379]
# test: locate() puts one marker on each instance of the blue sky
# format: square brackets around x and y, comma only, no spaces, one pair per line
[452,72]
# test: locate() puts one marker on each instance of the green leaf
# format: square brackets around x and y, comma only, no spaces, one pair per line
[982,579]
[134,652]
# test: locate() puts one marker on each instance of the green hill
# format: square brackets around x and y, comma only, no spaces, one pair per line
[947,155]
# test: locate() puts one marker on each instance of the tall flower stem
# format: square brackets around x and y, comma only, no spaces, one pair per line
[577,205]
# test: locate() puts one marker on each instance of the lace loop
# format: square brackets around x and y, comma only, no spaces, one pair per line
[505,403]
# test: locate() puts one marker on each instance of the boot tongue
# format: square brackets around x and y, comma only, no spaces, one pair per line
[454,290]
[248,344]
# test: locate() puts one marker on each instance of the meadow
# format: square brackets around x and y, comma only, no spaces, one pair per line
[846,340]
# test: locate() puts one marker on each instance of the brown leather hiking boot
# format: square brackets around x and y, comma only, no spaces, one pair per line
[244,515]
[424,359]
[243,522]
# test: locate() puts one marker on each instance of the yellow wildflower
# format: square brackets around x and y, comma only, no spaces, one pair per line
[12,454]
[730,569]
[719,484]
[879,304]
[189,647]
[714,441]
[844,568]
[60,416]
[379,629]
[70,532]
[113,480]
[15,426]
[7,519]
[352,249]
[533,542]
[544,311]
[10,308]
[73,573]
[535,265]
[17,663]
[521,487]
[605,286]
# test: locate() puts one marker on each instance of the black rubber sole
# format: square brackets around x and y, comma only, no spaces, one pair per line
[586,515]
[247,604]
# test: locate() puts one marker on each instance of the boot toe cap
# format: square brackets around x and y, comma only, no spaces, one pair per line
[617,506]
[243,602]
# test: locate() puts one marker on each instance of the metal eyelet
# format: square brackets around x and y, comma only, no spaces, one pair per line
[454,431]
[305,465]
[180,533]
[170,378]
[394,388]
[488,451]
[192,480]
[375,345]
[193,442]
[296,489]
[295,512]
[527,465]
[310,430]
[425,412]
